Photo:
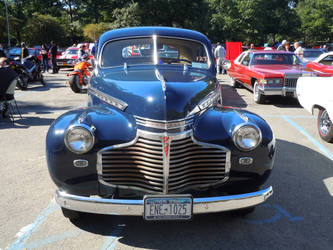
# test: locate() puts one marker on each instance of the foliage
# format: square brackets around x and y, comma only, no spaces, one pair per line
[250,21]
[47,27]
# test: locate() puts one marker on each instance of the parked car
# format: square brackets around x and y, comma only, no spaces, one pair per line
[316,93]
[35,52]
[266,73]
[68,57]
[311,54]
[323,64]
[154,140]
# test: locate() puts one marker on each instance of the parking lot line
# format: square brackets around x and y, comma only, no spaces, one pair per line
[321,147]
[24,234]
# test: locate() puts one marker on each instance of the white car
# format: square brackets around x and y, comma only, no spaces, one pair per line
[317,93]
[326,58]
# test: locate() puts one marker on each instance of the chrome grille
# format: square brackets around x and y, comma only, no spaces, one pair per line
[141,166]
[290,80]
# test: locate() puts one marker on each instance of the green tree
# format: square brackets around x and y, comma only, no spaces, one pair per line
[43,28]
[317,20]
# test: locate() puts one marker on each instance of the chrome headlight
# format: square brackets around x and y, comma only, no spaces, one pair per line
[79,139]
[226,65]
[246,137]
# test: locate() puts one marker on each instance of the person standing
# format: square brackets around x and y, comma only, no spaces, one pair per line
[24,51]
[53,51]
[299,50]
[219,54]
[8,83]
[282,46]
[45,58]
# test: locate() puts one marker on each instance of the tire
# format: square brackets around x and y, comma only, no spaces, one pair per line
[74,83]
[325,126]
[22,81]
[234,83]
[42,80]
[257,96]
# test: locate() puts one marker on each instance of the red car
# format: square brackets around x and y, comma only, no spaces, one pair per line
[67,58]
[266,72]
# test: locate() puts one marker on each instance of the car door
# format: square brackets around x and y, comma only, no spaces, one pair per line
[234,72]
[244,69]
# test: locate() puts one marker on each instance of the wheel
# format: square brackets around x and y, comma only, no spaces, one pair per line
[257,96]
[325,126]
[22,81]
[70,214]
[74,83]
[234,83]
[242,211]
[42,80]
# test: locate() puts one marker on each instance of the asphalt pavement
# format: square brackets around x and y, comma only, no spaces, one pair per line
[298,215]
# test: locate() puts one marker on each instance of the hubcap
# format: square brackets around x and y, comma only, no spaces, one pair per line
[325,122]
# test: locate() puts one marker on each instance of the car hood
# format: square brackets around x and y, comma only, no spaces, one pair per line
[277,70]
[158,94]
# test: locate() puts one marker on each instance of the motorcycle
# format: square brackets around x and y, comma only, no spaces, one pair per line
[29,70]
[79,78]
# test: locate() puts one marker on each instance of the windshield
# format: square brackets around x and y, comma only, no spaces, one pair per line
[71,51]
[312,53]
[149,50]
[268,59]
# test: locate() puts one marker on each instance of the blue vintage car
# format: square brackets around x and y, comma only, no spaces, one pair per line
[155,140]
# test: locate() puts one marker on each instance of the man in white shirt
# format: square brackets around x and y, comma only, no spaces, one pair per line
[219,54]
[298,50]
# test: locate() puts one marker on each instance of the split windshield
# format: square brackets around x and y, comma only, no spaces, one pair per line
[157,50]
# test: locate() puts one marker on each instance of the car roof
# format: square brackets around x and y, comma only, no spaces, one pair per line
[270,52]
[74,48]
[149,31]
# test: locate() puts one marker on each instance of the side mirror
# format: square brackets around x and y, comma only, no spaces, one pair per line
[226,65]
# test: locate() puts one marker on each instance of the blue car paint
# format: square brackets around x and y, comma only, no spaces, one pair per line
[140,88]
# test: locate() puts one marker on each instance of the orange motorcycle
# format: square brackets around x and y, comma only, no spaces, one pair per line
[78,79]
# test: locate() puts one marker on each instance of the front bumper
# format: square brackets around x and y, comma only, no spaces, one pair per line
[136,207]
[283,91]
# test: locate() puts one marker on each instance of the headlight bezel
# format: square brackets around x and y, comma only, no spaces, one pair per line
[82,127]
[271,81]
[242,126]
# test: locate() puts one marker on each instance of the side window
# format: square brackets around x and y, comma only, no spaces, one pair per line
[328,60]
[246,60]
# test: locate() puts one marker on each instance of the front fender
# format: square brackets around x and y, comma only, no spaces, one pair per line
[110,127]
[217,125]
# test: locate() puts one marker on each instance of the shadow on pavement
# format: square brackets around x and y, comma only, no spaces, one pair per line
[231,98]
[300,206]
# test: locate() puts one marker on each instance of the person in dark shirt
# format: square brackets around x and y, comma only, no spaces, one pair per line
[53,51]
[7,85]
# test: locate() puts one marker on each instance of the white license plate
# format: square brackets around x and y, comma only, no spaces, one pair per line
[168,207]
[60,63]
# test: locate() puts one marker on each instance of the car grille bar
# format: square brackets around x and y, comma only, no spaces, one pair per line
[290,80]
[163,165]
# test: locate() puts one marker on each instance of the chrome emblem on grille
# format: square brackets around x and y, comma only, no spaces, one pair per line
[166,145]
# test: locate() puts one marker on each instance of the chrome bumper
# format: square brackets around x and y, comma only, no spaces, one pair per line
[136,207]
[284,91]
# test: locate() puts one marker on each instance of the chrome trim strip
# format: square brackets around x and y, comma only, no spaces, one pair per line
[162,124]
[166,142]
[135,207]
[108,99]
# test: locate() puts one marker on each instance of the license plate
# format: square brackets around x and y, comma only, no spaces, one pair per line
[60,63]
[173,207]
